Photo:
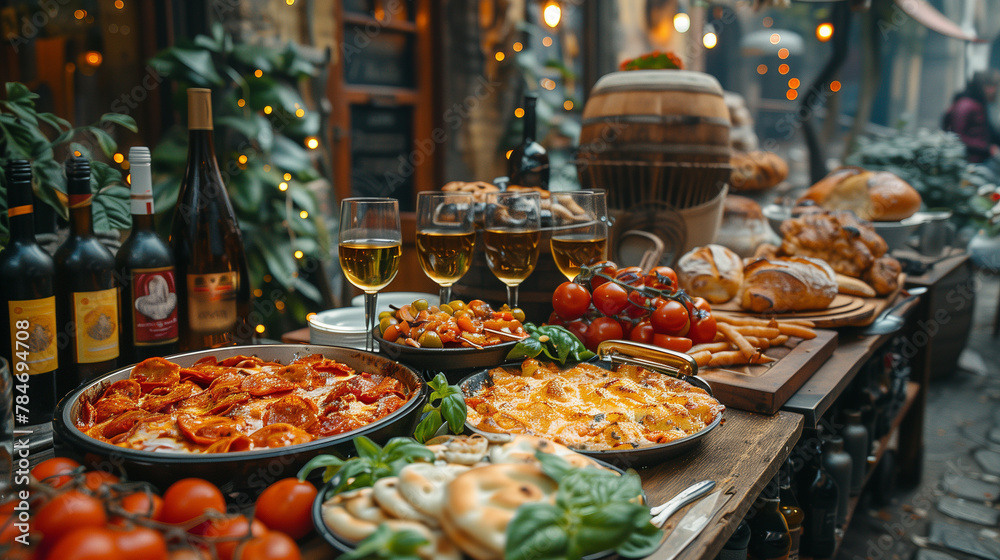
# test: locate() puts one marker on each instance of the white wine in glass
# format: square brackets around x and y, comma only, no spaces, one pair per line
[446,236]
[580,232]
[370,247]
[511,238]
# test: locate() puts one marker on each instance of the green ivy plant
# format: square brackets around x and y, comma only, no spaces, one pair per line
[262,126]
[47,140]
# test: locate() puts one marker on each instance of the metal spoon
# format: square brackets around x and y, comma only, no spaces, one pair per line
[887,323]
[686,496]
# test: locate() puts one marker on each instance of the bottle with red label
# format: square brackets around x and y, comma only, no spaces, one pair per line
[145,271]
[27,306]
[86,291]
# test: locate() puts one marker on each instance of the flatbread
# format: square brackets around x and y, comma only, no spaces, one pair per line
[460,450]
[423,485]
[522,448]
[388,497]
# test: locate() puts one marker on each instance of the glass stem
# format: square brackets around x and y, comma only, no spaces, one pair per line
[512,296]
[444,294]
[370,304]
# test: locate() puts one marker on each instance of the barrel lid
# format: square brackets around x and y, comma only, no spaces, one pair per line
[682,80]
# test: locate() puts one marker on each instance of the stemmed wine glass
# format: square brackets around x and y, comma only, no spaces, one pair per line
[370,246]
[580,232]
[446,236]
[511,236]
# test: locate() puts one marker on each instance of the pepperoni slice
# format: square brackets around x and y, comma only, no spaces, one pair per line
[279,435]
[207,430]
[163,398]
[241,361]
[233,443]
[224,385]
[291,409]
[127,388]
[227,403]
[123,423]
[337,423]
[155,372]
[108,407]
[263,384]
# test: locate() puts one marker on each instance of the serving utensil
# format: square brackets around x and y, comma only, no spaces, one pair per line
[886,322]
[663,511]
[693,523]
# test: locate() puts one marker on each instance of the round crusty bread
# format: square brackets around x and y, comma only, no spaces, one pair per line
[713,272]
[387,496]
[756,170]
[872,195]
[460,450]
[787,284]
[423,485]
[522,447]
[480,503]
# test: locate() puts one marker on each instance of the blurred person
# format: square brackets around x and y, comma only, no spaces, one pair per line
[968,116]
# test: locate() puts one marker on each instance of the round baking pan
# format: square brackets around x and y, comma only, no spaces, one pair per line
[455,363]
[249,471]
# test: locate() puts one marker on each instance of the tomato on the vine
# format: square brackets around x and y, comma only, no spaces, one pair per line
[638,305]
[675,343]
[671,318]
[286,506]
[94,480]
[189,498]
[48,471]
[703,325]
[273,545]
[661,278]
[68,511]
[610,299]
[642,332]
[140,543]
[571,300]
[86,543]
[142,504]
[607,268]
[554,319]
[601,329]
[631,275]
[579,329]
[235,526]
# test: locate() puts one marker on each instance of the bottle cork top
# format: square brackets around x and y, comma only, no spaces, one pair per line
[139,154]
[199,109]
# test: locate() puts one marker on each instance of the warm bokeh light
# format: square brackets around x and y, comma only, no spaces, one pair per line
[303,214]
[310,316]
[775,38]
[241,102]
[119,4]
[77,153]
[519,112]
[299,254]
[242,159]
[793,83]
[300,113]
[782,53]
[93,58]
[762,69]
[267,109]
[682,22]
[267,167]
[551,13]
[517,46]
[119,158]
[312,142]
[710,40]
[499,56]
[280,305]
[835,86]
[507,155]
[547,41]
[258,73]
[258,292]
[126,164]
[289,2]
[268,278]
[824,31]
[548,83]
[568,105]
[260,329]
[80,14]
[128,178]
[768,21]
[282,186]
[287,176]
[791,94]
[783,69]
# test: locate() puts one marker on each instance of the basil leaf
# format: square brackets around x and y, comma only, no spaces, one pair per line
[318,461]
[527,348]
[439,383]
[605,527]
[428,426]
[387,543]
[367,449]
[454,411]
[554,466]
[536,531]
[642,542]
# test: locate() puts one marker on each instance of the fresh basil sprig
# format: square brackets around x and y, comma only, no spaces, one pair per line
[595,510]
[554,341]
[388,544]
[446,404]
[371,464]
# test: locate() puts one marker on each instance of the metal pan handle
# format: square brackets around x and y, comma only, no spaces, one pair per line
[654,358]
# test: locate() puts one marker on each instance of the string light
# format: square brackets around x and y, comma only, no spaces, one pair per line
[548,84]
[77,153]
[93,58]
[242,159]
[547,41]
[519,112]
[268,278]
[287,176]
[128,178]
[517,46]
[791,94]
[119,158]
[782,53]
[507,155]
[551,13]
[126,165]
[258,73]
[310,316]
[710,40]
[299,254]
[835,86]
[312,142]
[682,22]
[768,21]
[499,56]
[568,104]
[289,2]
[282,186]
[119,4]
[824,31]
[267,167]
[80,14]
[793,83]
[783,69]
[258,293]
[280,305]
[762,69]
[303,214]
[775,38]
[260,329]
[241,102]
[300,113]
[267,109]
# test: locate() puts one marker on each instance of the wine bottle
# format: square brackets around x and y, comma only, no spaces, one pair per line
[528,164]
[769,536]
[790,510]
[856,444]
[838,463]
[86,291]
[145,269]
[28,332]
[736,547]
[213,286]
[820,494]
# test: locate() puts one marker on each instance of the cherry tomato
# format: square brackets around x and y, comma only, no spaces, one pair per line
[610,299]
[146,505]
[702,305]
[188,553]
[703,330]
[579,329]
[601,329]
[188,498]
[571,300]
[236,526]
[638,304]
[96,479]
[273,545]
[661,278]
[607,268]
[627,326]
[642,332]
[671,318]
[7,529]
[554,319]
[47,470]
[68,511]
[631,275]
[286,506]
[86,543]
[141,543]
[675,343]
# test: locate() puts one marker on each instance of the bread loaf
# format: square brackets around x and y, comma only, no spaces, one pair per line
[790,284]
[756,170]
[744,226]
[712,272]
[872,195]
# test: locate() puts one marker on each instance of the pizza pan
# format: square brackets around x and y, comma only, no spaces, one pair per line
[611,353]
[249,471]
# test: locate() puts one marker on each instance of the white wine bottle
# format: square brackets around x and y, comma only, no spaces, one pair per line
[213,286]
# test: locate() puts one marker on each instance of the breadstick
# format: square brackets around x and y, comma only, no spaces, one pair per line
[854,287]
[729,358]
[796,330]
[764,332]
[742,321]
[800,322]
[760,343]
[702,358]
[738,339]
[710,347]
[778,340]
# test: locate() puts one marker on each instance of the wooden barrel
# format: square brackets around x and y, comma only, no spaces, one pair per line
[655,135]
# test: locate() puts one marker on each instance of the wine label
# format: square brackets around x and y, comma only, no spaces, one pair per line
[19,210]
[212,302]
[36,318]
[796,538]
[95,315]
[154,306]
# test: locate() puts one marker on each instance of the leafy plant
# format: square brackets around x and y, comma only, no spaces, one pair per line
[47,140]
[388,544]
[372,463]
[262,129]
[446,404]
[557,343]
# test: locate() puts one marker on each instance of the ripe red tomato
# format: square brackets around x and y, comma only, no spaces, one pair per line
[141,543]
[68,511]
[675,343]
[570,300]
[235,526]
[286,506]
[146,505]
[7,519]
[188,553]
[638,305]
[631,276]
[47,471]
[579,329]
[610,299]
[671,318]
[96,479]
[274,545]
[554,319]
[607,268]
[86,543]
[661,278]
[703,326]
[642,332]
[188,498]
[601,329]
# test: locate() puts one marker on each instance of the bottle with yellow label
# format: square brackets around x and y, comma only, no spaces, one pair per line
[86,291]
[28,324]
[213,287]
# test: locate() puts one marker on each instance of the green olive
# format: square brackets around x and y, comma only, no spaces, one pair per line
[446,309]
[518,314]
[430,339]
[457,304]
[385,322]
[419,305]
[385,314]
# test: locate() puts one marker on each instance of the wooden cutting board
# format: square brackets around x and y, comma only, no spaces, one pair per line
[764,388]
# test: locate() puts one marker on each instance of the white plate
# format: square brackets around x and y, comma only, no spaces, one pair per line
[338,327]
[385,299]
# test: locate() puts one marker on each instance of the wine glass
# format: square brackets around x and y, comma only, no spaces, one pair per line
[446,236]
[370,246]
[580,232]
[512,232]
